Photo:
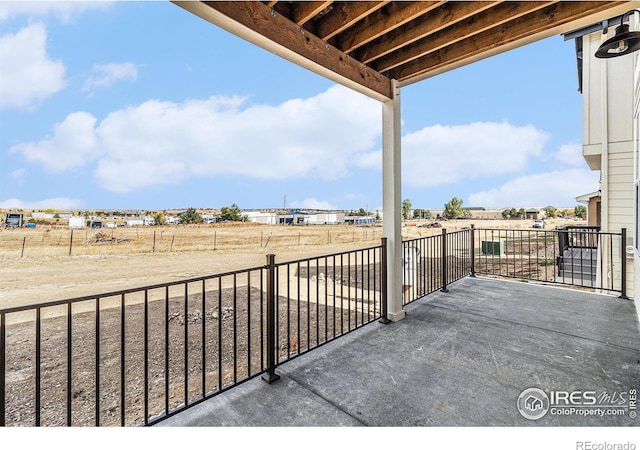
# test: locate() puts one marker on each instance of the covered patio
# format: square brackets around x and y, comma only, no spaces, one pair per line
[460,358]
[378,47]
[457,358]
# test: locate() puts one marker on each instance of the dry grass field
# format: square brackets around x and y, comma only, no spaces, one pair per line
[47,263]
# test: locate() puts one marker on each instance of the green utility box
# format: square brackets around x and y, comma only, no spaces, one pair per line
[493,247]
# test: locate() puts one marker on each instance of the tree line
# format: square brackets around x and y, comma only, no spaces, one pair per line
[453,210]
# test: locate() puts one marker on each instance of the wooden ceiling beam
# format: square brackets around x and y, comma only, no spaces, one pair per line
[469,27]
[344,15]
[303,12]
[257,23]
[421,27]
[537,25]
[380,22]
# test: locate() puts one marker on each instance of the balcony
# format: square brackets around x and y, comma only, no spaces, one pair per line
[471,351]
[460,358]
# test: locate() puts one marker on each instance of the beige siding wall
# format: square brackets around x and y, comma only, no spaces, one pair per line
[608,137]
[620,207]
[617,101]
[591,97]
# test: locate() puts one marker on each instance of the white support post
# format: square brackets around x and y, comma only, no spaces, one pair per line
[391,202]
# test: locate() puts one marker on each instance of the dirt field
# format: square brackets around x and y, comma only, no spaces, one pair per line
[37,266]
[41,265]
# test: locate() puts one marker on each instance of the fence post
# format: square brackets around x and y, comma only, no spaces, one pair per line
[623,265]
[271,376]
[444,260]
[473,251]
[383,281]
[24,241]
[71,242]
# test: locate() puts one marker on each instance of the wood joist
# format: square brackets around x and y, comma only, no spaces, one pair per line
[365,44]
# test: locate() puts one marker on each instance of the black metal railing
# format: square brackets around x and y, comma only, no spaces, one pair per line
[431,263]
[322,298]
[577,237]
[137,356]
[577,256]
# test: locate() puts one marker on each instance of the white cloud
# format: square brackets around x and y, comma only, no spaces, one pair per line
[440,155]
[570,154]
[72,145]
[164,142]
[28,73]
[105,75]
[558,188]
[57,203]
[64,11]
[312,203]
[18,174]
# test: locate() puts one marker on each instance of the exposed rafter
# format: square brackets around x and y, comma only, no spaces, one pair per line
[303,12]
[455,32]
[382,22]
[365,44]
[447,15]
[261,25]
[539,23]
[344,15]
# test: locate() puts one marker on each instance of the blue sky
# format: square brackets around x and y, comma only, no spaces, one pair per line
[142,105]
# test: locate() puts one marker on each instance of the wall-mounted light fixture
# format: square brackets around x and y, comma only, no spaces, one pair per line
[623,42]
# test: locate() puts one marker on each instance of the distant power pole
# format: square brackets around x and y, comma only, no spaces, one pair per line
[284,211]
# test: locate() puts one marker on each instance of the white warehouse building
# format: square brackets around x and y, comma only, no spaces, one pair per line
[261,217]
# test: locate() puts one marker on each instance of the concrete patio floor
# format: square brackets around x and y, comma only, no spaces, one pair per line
[460,358]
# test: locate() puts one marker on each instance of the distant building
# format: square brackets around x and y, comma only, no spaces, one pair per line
[208,218]
[324,219]
[532,214]
[77,222]
[360,220]
[262,217]
[13,221]
[292,218]
[43,215]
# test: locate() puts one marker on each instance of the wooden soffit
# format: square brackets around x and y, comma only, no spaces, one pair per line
[365,44]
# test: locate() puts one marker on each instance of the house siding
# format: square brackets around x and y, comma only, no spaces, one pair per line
[608,145]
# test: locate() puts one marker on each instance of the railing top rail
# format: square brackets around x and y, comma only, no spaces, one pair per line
[555,230]
[330,255]
[438,235]
[433,236]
